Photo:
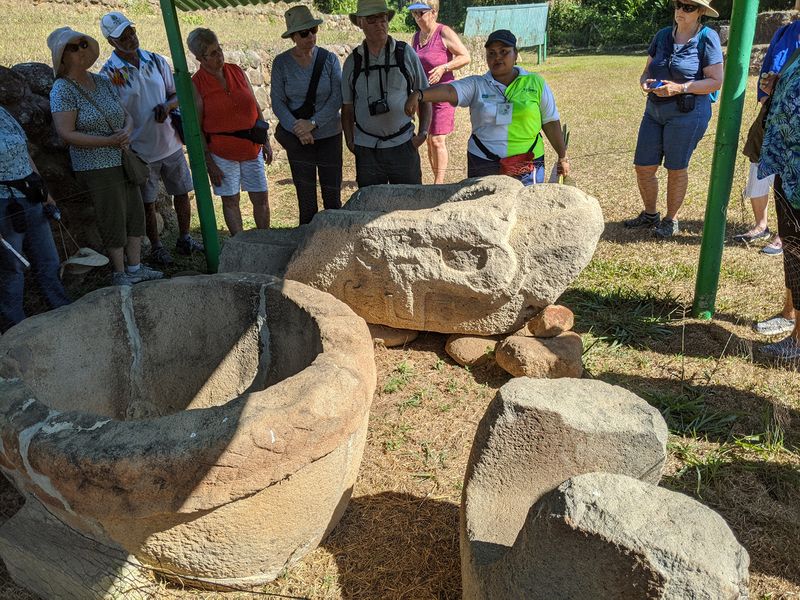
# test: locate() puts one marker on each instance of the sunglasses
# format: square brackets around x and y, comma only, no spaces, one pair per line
[380,18]
[306,32]
[82,45]
[418,13]
[687,8]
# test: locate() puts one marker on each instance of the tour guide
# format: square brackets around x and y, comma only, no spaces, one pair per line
[509,109]
[377,78]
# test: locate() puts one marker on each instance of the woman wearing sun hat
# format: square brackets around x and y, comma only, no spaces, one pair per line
[89,117]
[310,126]
[441,52]
[683,68]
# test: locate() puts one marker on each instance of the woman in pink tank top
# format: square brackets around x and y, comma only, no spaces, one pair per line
[441,52]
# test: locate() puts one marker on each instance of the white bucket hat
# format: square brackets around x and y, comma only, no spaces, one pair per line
[83,261]
[62,36]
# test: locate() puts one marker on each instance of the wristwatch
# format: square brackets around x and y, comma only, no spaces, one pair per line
[313,123]
[420,96]
[423,132]
[685,87]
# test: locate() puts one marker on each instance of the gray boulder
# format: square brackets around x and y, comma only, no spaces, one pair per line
[603,536]
[536,434]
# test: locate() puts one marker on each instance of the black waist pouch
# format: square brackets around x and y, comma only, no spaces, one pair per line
[686,103]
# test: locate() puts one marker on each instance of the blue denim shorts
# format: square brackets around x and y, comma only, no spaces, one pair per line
[668,134]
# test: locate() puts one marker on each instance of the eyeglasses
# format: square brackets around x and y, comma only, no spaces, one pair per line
[214,53]
[493,54]
[381,18]
[82,45]
[418,13]
[687,8]
[306,32]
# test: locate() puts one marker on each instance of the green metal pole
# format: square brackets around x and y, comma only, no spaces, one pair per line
[193,135]
[740,45]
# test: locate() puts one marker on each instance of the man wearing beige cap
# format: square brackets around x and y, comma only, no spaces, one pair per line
[145,84]
[377,79]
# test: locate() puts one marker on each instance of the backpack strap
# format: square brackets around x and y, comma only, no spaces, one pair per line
[400,59]
[306,111]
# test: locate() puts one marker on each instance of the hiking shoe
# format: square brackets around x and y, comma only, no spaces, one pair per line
[160,256]
[752,236]
[787,349]
[774,325]
[120,279]
[643,220]
[773,249]
[187,246]
[144,274]
[666,228]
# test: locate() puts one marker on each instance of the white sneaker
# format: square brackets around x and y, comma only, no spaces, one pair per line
[121,279]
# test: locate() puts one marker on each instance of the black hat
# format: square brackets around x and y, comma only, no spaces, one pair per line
[504,36]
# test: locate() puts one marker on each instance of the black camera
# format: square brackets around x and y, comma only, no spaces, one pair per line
[379,107]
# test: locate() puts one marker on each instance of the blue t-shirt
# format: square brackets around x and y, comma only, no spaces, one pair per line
[785,41]
[681,62]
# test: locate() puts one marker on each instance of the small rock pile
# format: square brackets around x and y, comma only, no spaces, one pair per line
[544,348]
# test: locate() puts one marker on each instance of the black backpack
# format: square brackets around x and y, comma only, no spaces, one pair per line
[400,63]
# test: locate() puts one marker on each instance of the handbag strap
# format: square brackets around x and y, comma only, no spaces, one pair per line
[92,102]
[491,155]
[319,63]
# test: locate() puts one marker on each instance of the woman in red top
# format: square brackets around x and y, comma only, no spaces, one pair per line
[441,52]
[226,103]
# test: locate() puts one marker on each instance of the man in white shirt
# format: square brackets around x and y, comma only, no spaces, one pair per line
[145,84]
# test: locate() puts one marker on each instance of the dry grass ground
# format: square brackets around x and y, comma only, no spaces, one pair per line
[734,420]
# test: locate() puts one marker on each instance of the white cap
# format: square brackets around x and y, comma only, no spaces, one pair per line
[113,24]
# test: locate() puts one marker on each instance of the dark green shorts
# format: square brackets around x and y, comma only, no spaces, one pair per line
[117,205]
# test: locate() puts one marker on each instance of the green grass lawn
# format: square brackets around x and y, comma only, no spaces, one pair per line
[734,419]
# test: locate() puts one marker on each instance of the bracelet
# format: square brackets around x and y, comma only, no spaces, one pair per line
[421,96]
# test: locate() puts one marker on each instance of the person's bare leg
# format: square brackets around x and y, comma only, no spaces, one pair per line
[184,211]
[677,182]
[759,204]
[151,224]
[260,201]
[117,258]
[437,151]
[133,248]
[648,187]
[788,311]
[232,214]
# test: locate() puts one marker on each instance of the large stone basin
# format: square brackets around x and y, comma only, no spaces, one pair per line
[209,427]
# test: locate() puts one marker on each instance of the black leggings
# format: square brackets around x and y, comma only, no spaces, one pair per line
[789,230]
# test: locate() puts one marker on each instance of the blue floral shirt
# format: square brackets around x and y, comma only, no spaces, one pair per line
[14,161]
[780,152]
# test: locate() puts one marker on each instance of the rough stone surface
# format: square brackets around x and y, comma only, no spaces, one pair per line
[95,422]
[552,321]
[536,434]
[55,562]
[471,350]
[391,337]
[260,251]
[603,536]
[541,357]
[478,257]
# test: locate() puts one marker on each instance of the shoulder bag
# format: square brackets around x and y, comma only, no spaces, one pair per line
[136,169]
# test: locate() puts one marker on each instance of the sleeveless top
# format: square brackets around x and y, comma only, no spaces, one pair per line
[231,110]
[434,53]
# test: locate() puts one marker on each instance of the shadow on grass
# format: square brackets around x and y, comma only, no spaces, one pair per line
[691,232]
[717,413]
[394,545]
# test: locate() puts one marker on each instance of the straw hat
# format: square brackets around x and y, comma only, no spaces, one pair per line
[299,18]
[83,261]
[62,36]
[710,12]
[366,8]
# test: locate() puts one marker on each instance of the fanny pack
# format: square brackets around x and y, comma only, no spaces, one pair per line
[33,186]
[516,165]
[257,134]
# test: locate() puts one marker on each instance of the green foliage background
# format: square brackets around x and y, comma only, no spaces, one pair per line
[579,23]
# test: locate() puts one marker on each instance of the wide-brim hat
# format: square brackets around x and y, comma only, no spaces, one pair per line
[62,36]
[83,261]
[367,8]
[299,18]
[707,5]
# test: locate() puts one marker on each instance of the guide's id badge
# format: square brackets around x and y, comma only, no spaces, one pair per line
[504,111]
